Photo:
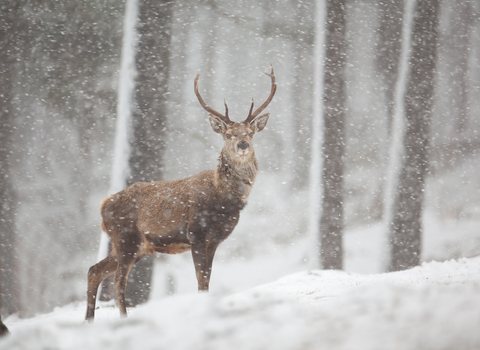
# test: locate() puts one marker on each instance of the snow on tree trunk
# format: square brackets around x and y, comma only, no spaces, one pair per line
[125,103]
[389,51]
[141,111]
[395,151]
[405,232]
[317,126]
[334,99]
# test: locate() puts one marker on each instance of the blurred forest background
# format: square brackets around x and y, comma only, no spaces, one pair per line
[59,75]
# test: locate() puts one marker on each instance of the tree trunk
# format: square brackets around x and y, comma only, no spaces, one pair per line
[10,43]
[148,109]
[334,99]
[461,44]
[406,226]
[149,114]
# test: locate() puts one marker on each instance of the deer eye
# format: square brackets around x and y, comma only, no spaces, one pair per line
[228,136]
[251,134]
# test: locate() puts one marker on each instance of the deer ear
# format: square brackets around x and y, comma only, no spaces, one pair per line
[217,124]
[260,122]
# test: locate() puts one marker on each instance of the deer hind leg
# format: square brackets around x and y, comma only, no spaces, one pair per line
[121,276]
[96,274]
[127,257]
[203,254]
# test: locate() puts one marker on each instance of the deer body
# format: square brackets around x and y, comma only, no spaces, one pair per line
[196,213]
[166,215]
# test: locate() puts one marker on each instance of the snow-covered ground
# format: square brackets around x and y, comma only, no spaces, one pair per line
[434,306]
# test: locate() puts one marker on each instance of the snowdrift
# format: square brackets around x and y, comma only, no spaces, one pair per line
[435,306]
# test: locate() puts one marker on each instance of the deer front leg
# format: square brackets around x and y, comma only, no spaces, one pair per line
[203,254]
[211,249]
[96,274]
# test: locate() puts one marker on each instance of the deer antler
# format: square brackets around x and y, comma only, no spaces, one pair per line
[267,102]
[210,110]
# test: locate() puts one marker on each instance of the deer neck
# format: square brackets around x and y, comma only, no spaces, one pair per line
[237,175]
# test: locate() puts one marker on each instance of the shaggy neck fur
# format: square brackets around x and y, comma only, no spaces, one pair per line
[237,174]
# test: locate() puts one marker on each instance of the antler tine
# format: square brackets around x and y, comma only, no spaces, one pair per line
[267,102]
[226,109]
[251,108]
[207,108]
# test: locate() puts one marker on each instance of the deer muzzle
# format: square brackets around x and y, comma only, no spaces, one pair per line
[243,148]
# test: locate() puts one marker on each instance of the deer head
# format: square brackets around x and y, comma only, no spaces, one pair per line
[238,136]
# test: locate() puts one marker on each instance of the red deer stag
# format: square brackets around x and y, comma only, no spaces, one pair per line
[196,213]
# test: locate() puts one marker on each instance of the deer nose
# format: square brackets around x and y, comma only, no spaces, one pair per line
[243,145]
